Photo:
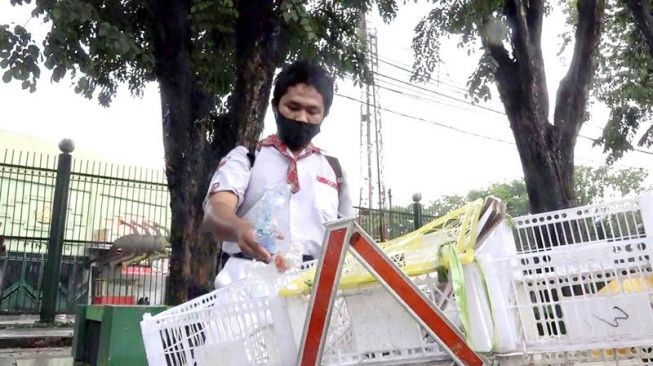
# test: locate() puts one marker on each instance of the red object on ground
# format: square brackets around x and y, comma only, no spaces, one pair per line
[113,300]
[136,270]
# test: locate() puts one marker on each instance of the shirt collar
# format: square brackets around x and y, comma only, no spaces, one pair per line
[274,141]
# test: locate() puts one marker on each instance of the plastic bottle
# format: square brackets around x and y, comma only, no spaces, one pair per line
[270,216]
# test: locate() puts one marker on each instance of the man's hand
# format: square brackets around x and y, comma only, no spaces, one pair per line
[246,239]
[221,220]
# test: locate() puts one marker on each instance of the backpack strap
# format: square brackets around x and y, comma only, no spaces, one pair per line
[335,165]
[251,155]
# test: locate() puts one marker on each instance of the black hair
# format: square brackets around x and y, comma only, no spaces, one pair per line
[305,72]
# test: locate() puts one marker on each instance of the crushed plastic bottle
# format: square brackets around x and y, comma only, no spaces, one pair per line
[270,216]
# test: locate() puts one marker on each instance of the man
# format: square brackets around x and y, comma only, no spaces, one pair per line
[302,97]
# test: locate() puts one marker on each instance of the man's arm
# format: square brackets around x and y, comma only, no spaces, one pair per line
[220,219]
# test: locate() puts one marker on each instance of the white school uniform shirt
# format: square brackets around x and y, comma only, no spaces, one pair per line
[320,198]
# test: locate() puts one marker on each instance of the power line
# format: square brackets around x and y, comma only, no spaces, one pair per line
[439,93]
[465,132]
[634,148]
[407,69]
[430,121]
[416,95]
[484,108]
[435,92]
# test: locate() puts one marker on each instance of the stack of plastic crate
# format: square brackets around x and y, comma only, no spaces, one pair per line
[578,287]
[247,324]
[560,288]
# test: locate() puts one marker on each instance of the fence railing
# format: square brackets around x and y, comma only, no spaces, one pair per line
[104,207]
[388,224]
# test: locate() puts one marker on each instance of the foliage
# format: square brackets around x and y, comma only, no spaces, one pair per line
[592,185]
[624,77]
[606,182]
[197,50]
[102,44]
[466,20]
[624,83]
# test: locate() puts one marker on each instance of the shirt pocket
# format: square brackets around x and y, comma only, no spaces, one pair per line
[326,199]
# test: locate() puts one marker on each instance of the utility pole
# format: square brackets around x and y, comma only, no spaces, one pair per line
[371,135]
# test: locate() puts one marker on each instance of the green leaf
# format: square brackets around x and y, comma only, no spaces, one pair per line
[58,73]
[104,29]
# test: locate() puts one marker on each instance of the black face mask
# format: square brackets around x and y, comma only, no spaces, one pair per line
[294,134]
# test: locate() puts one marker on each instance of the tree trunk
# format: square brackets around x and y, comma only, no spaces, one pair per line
[257,38]
[190,158]
[546,150]
[548,177]
[641,11]
[183,104]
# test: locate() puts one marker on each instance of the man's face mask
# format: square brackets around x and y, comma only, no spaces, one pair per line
[295,134]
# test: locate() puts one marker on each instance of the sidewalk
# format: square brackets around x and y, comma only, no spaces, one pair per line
[36,357]
[24,331]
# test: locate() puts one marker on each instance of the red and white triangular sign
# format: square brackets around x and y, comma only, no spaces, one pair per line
[343,235]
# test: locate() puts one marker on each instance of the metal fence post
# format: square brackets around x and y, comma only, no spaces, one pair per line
[417,210]
[52,268]
[390,220]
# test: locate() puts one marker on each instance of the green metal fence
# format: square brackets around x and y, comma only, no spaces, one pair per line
[26,189]
[109,203]
[105,204]
[388,224]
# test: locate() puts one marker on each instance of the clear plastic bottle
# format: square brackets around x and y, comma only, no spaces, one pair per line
[270,217]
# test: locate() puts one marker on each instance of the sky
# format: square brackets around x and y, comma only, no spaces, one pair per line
[420,154]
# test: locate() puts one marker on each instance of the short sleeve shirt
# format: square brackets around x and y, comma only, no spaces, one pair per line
[320,197]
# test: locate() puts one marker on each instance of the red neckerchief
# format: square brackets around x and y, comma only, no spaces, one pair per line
[293,178]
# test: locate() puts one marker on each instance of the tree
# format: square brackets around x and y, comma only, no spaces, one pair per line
[445,204]
[591,185]
[625,78]
[643,16]
[510,34]
[596,184]
[214,61]
[512,193]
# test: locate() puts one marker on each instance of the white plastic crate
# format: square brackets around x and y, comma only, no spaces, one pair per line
[560,284]
[253,327]
[240,291]
[367,326]
[240,322]
[630,356]
[239,333]
[580,279]
[380,331]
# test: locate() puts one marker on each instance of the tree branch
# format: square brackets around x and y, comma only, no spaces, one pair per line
[257,36]
[504,74]
[528,56]
[521,36]
[641,11]
[534,20]
[574,88]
